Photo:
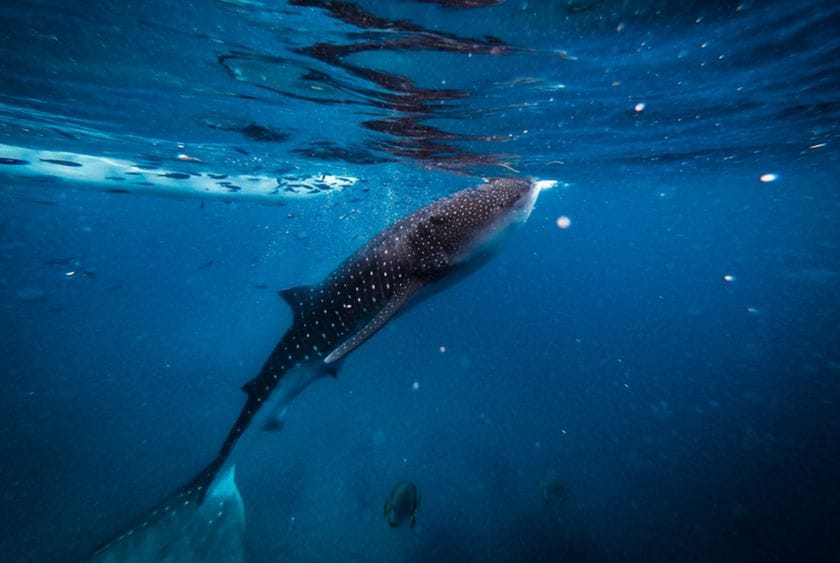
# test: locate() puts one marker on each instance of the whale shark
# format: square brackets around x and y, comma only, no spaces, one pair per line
[418,254]
[180,530]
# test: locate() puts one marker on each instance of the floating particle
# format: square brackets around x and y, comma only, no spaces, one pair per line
[415,385]
[563,222]
[640,107]
[769,177]
[442,349]
[70,274]
[729,278]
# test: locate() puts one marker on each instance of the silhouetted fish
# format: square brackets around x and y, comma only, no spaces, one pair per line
[204,266]
[402,504]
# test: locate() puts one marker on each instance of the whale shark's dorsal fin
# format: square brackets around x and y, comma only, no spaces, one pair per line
[297,298]
[397,301]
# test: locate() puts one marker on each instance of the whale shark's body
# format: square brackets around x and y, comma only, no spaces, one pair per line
[335,316]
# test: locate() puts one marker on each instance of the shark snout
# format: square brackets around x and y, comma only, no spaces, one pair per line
[528,197]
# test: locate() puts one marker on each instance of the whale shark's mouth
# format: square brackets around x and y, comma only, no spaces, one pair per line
[526,205]
[545,184]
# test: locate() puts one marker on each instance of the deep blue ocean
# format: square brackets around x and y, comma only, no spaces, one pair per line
[648,371]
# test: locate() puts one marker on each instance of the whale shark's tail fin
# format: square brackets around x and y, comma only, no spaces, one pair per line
[203,483]
[193,524]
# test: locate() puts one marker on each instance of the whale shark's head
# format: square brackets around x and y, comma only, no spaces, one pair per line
[511,200]
[473,222]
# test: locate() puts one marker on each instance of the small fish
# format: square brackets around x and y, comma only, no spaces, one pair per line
[35,201]
[402,503]
[61,261]
[205,265]
[69,163]
[553,488]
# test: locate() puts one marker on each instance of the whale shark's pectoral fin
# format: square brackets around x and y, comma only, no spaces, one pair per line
[378,321]
[277,420]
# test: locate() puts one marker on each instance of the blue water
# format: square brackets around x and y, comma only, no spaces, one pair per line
[672,358]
